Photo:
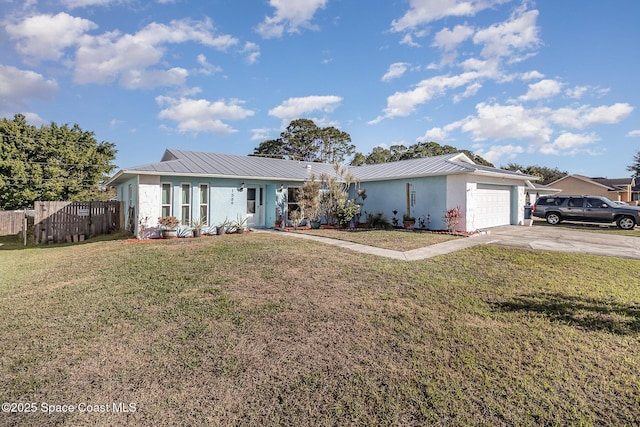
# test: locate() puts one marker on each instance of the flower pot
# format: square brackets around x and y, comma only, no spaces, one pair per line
[219,231]
[408,224]
[314,224]
[169,234]
[197,233]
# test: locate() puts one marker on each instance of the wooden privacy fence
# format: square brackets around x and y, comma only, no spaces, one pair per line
[57,222]
[11,222]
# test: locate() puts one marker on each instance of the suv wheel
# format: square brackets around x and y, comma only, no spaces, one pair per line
[626,223]
[553,218]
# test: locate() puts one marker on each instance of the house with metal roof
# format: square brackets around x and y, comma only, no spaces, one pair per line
[216,187]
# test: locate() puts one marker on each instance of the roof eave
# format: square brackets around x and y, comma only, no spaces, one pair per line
[116,178]
[412,176]
[505,175]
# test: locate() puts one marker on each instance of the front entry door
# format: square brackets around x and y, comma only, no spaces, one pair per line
[255,206]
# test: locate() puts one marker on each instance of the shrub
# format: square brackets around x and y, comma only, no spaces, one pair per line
[452,218]
[378,221]
[346,212]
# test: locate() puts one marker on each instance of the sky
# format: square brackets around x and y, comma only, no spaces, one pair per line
[549,83]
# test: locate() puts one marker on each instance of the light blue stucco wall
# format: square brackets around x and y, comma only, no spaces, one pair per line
[429,199]
[226,200]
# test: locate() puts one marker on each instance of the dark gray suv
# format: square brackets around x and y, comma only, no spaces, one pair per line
[586,209]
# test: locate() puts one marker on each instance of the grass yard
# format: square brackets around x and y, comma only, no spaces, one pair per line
[394,240]
[264,329]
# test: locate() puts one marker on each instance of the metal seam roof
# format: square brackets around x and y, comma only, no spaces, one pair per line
[216,164]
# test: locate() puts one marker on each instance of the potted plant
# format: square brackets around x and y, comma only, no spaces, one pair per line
[240,225]
[408,221]
[279,222]
[168,225]
[197,225]
[184,232]
[222,228]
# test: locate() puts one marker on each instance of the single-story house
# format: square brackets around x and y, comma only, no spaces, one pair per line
[616,189]
[534,190]
[216,187]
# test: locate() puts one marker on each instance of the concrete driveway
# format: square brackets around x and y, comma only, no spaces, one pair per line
[564,240]
[541,237]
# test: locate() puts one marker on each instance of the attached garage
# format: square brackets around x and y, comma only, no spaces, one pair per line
[493,206]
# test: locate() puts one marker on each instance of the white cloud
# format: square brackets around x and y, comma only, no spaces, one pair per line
[86,3]
[46,36]
[489,68]
[496,152]
[510,38]
[296,107]
[436,134]
[207,68]
[201,115]
[261,134]
[583,116]
[569,143]
[289,16]
[105,58]
[404,103]
[447,39]
[16,86]
[425,11]
[148,79]
[395,71]
[407,39]
[634,133]
[507,122]
[576,92]
[608,114]
[252,51]
[542,89]
[532,75]
[471,90]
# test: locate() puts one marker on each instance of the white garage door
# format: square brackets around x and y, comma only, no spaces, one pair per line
[493,206]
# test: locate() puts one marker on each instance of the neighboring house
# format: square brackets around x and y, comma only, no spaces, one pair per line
[618,189]
[533,191]
[216,187]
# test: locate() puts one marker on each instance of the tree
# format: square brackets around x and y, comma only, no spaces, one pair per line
[50,163]
[545,174]
[358,159]
[634,167]
[271,148]
[304,140]
[415,151]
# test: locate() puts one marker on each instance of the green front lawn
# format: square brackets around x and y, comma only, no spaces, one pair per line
[264,329]
[395,240]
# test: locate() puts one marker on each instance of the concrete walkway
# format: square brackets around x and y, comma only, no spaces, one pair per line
[542,238]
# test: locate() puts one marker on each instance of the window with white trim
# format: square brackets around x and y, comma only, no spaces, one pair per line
[204,204]
[166,200]
[185,203]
